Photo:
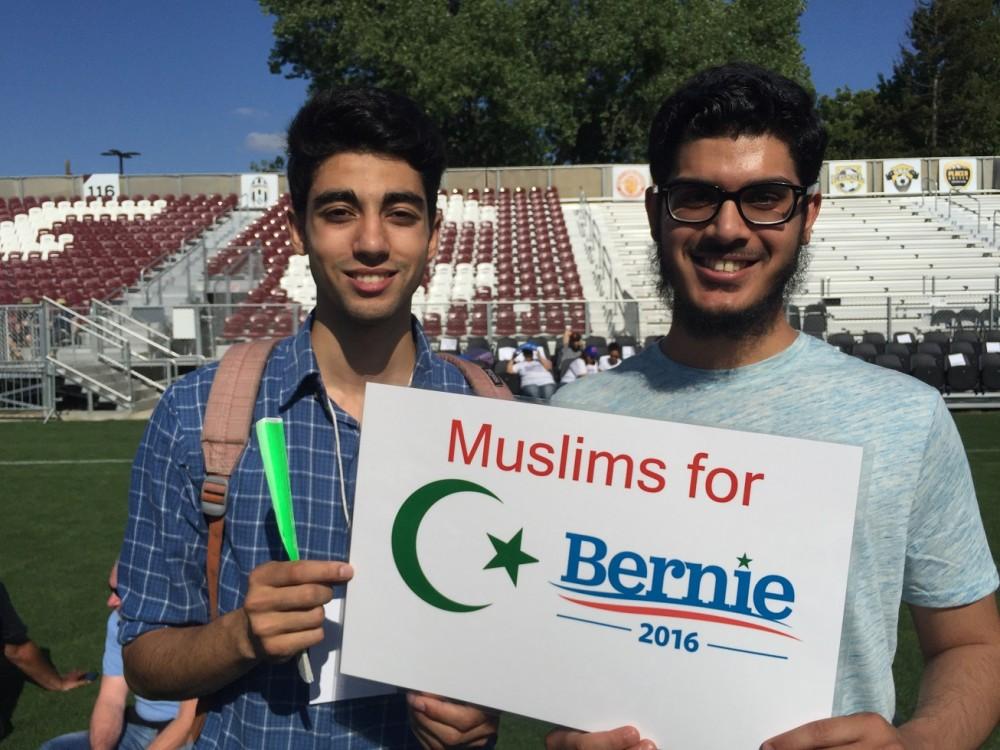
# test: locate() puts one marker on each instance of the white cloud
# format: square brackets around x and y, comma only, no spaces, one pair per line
[249,112]
[265,142]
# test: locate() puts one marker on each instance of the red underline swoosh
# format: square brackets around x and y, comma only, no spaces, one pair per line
[680,613]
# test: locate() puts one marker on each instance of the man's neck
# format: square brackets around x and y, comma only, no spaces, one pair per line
[350,356]
[722,353]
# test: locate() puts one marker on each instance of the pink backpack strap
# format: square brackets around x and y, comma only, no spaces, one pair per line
[483,382]
[224,435]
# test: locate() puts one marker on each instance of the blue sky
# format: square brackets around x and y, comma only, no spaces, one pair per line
[186,83]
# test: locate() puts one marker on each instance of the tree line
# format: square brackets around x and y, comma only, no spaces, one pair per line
[943,97]
[578,81]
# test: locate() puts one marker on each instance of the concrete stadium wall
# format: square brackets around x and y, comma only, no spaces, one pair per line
[162,184]
[569,180]
[592,180]
[988,167]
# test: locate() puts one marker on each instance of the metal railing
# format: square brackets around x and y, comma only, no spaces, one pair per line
[953,197]
[599,257]
[41,345]
[49,343]
[140,335]
[25,385]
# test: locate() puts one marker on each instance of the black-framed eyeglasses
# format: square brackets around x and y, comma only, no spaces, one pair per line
[761,204]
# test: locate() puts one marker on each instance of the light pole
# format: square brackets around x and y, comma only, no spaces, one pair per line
[122,156]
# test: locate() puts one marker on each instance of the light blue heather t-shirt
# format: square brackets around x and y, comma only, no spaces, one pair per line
[917,534]
[112,666]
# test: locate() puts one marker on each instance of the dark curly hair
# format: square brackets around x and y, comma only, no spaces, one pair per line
[733,100]
[364,120]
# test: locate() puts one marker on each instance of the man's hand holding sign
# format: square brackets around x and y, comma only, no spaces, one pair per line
[441,723]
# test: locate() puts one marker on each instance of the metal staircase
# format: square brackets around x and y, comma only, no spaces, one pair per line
[111,357]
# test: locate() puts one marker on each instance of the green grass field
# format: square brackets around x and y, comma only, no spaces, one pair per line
[61,524]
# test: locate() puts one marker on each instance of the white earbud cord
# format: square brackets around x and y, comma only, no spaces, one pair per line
[340,464]
[340,460]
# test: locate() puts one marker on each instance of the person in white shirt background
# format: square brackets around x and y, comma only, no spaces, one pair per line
[535,372]
[612,359]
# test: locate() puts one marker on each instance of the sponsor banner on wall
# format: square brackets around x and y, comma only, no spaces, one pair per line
[957,173]
[903,176]
[629,181]
[258,190]
[848,177]
[104,186]
[527,558]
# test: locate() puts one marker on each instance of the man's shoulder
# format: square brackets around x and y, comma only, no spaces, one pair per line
[446,376]
[827,367]
[193,388]
[187,396]
[592,389]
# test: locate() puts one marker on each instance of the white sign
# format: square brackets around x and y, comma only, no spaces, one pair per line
[258,190]
[902,176]
[629,181]
[957,173]
[848,177]
[594,570]
[104,186]
[184,324]
[324,660]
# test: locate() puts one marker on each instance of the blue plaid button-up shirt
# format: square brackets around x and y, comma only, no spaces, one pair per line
[162,569]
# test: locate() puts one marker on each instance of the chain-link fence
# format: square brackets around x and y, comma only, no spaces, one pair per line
[24,382]
[122,360]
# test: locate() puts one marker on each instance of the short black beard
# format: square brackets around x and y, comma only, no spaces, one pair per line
[753,322]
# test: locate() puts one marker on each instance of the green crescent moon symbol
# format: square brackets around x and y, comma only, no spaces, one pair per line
[404,540]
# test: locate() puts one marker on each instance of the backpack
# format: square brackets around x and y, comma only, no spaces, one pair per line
[226,430]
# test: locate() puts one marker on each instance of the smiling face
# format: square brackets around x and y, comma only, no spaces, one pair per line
[368,237]
[726,276]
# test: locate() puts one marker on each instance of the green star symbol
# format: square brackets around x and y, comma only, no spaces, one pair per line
[745,561]
[509,555]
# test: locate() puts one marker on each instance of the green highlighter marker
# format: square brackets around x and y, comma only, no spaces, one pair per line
[271,436]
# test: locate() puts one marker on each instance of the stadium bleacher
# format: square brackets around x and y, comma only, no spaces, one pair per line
[891,279]
[507,251]
[79,250]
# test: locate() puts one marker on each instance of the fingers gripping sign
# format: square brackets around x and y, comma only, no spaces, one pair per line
[440,723]
[284,605]
[864,731]
[622,738]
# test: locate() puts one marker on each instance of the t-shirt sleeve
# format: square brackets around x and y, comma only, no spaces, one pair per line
[161,570]
[112,663]
[948,560]
[12,629]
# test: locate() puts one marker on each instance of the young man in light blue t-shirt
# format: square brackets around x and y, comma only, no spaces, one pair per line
[735,155]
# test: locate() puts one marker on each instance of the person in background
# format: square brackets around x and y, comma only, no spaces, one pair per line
[24,653]
[612,359]
[159,725]
[572,348]
[585,364]
[535,372]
